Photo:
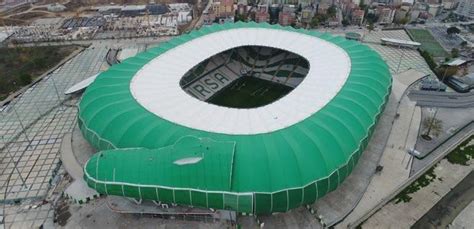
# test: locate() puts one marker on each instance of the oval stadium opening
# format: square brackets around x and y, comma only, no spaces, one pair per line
[246,76]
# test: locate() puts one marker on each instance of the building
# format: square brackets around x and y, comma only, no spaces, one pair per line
[386,15]
[223,8]
[461,84]
[208,17]
[262,15]
[241,9]
[357,17]
[156,142]
[435,9]
[465,9]
[307,14]
[286,18]
[56,7]
[400,14]
[287,15]
[449,4]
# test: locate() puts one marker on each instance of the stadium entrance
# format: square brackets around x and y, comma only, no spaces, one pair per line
[245,76]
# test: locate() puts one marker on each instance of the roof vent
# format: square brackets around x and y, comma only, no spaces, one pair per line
[188,161]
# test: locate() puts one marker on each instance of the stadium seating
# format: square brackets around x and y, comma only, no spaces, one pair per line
[219,71]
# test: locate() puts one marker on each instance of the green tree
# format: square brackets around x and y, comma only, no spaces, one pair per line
[453,30]
[25,78]
[454,52]
[404,20]
[432,126]
[331,12]
[314,22]
[429,59]
[239,17]
[345,22]
[371,26]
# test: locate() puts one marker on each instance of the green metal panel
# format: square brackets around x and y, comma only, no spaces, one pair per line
[259,173]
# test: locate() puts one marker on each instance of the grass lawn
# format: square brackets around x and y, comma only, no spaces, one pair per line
[463,153]
[20,65]
[460,155]
[428,42]
[249,92]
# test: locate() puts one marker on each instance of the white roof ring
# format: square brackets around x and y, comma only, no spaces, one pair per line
[156,86]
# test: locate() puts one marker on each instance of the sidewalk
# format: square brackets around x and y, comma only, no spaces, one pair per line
[395,159]
[404,215]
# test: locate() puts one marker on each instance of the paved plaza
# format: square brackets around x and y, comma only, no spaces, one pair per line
[405,214]
[398,59]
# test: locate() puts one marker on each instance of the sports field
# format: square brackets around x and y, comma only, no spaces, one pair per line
[428,42]
[249,92]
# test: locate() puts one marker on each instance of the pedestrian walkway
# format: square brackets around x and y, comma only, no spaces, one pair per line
[395,160]
[405,214]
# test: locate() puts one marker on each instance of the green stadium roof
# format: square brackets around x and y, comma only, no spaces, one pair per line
[147,156]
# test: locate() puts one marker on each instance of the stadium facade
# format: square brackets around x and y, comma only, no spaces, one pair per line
[159,142]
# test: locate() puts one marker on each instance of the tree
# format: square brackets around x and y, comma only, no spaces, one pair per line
[454,52]
[429,59]
[404,20]
[345,22]
[463,44]
[314,22]
[371,18]
[371,26]
[433,126]
[25,78]
[239,17]
[453,30]
[331,11]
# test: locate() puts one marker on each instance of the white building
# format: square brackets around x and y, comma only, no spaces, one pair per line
[56,7]
[465,8]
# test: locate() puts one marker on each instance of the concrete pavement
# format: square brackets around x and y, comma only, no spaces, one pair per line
[395,160]
[405,215]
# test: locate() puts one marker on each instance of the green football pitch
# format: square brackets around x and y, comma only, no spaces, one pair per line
[249,92]
[428,42]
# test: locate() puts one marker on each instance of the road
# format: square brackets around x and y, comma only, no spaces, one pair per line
[442,99]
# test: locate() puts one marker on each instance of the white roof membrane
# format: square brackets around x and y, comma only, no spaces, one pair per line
[156,86]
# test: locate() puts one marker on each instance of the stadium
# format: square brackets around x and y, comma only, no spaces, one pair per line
[254,118]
